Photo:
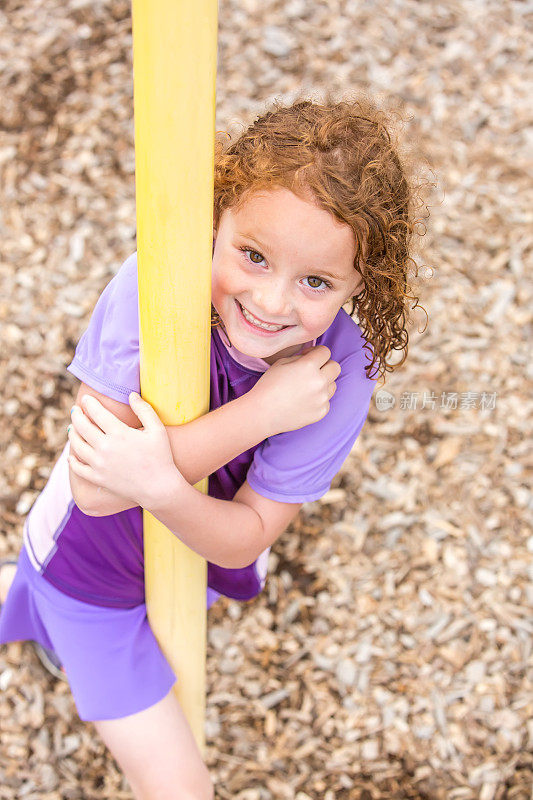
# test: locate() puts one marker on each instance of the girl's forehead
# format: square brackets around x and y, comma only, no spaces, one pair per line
[273,196]
[283,225]
[280,207]
[281,220]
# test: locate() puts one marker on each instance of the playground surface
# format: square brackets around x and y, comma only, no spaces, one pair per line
[390,653]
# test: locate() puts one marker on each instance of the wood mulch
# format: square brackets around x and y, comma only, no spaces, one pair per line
[390,655]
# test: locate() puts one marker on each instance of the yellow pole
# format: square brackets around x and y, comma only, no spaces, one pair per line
[174,62]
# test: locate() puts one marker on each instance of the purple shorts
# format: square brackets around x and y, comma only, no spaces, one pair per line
[112,660]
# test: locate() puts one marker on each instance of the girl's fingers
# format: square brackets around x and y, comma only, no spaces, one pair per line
[83,470]
[78,447]
[144,411]
[332,369]
[85,427]
[332,388]
[100,415]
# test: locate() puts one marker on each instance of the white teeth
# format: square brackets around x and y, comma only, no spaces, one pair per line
[259,324]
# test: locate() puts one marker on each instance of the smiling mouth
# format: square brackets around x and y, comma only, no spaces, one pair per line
[259,324]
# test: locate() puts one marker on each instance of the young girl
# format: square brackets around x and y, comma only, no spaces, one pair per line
[312,208]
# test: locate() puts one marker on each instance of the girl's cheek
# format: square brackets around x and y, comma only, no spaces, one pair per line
[230,281]
[317,323]
[222,286]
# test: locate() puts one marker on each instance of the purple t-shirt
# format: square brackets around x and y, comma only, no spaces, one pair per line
[99,560]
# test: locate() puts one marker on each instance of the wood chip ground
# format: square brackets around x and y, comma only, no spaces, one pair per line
[390,655]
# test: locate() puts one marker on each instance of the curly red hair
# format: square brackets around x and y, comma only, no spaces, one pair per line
[341,152]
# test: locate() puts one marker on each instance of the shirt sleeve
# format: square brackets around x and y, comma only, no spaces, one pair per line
[299,466]
[107,355]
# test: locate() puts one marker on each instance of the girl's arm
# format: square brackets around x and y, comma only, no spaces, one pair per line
[231,534]
[292,393]
[199,447]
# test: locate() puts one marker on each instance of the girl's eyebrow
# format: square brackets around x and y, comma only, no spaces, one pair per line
[267,250]
[257,242]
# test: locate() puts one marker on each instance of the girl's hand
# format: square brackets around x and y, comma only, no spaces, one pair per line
[296,391]
[135,463]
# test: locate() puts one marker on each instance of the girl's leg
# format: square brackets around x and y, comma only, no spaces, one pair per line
[155,748]
[157,752]
[7,574]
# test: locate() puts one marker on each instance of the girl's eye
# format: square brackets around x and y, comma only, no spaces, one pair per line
[314,278]
[251,254]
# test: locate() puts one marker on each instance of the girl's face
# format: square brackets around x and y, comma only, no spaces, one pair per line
[286,262]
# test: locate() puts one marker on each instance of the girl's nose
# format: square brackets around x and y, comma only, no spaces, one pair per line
[272,300]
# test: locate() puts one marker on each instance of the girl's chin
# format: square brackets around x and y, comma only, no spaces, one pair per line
[253,349]
[280,349]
